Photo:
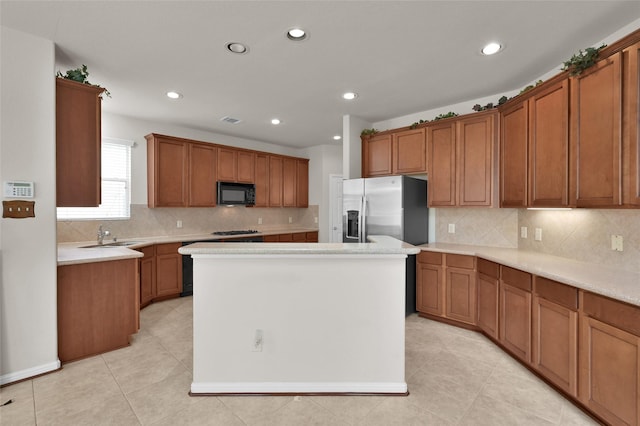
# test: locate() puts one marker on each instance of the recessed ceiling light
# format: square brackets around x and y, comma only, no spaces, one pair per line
[337,137]
[297,34]
[491,48]
[275,121]
[235,47]
[350,95]
[174,95]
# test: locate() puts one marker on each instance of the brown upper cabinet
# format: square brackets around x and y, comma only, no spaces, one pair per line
[630,123]
[184,173]
[409,153]
[376,155]
[398,153]
[461,162]
[167,171]
[78,144]
[236,165]
[534,157]
[596,139]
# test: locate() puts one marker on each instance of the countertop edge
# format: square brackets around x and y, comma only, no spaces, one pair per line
[611,282]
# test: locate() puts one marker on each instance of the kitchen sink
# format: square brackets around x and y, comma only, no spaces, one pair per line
[113,244]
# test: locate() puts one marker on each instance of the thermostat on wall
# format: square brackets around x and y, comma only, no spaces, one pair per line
[18,189]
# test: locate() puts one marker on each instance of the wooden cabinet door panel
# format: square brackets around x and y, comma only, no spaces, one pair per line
[262,181]
[549,147]
[514,157]
[227,165]
[474,145]
[488,291]
[430,292]
[275,181]
[555,343]
[168,270]
[147,275]
[596,141]
[246,167]
[78,144]
[515,320]
[302,180]
[202,176]
[410,152]
[376,159]
[630,124]
[170,173]
[442,164]
[610,372]
[460,288]
[289,173]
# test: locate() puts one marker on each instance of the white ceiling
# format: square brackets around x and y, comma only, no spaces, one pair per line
[401,57]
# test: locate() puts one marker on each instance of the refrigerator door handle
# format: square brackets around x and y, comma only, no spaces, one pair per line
[363,220]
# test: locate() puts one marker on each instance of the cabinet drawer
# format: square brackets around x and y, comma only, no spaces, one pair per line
[488,268]
[430,257]
[556,292]
[300,237]
[171,248]
[270,239]
[312,237]
[460,261]
[285,238]
[612,312]
[516,278]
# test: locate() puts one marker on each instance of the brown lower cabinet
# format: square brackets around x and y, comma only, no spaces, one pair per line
[586,345]
[488,296]
[98,307]
[555,333]
[295,237]
[160,272]
[515,312]
[610,359]
[446,286]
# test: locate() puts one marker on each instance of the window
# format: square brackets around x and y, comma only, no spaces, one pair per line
[116,185]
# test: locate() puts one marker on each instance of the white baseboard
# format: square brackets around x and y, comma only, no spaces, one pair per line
[29,372]
[298,387]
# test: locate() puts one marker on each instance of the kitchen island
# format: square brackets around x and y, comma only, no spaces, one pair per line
[299,318]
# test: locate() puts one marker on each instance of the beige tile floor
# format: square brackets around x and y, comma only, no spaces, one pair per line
[455,377]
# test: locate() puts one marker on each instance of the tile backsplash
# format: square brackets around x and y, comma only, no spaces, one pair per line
[146,222]
[580,234]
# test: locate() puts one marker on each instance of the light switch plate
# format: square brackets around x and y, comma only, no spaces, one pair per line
[523,232]
[452,228]
[617,243]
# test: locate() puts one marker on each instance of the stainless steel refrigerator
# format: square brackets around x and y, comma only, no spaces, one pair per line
[391,205]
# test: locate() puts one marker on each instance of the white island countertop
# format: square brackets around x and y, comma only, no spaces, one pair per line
[379,244]
[607,281]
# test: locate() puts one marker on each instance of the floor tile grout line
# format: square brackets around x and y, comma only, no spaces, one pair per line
[124,395]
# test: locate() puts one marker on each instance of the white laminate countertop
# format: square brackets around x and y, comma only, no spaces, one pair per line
[379,245]
[76,252]
[611,282]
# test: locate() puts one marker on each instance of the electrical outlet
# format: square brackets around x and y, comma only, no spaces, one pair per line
[523,232]
[617,243]
[452,228]
[315,219]
[259,221]
[257,341]
[538,236]
[179,224]
[290,219]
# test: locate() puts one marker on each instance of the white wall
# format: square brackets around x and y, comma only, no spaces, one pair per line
[352,146]
[327,160]
[28,328]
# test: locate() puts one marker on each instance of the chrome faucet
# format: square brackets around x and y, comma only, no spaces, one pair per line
[102,234]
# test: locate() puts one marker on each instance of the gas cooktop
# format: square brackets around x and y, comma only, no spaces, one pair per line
[236,232]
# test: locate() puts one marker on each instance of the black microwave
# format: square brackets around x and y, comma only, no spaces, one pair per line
[232,193]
